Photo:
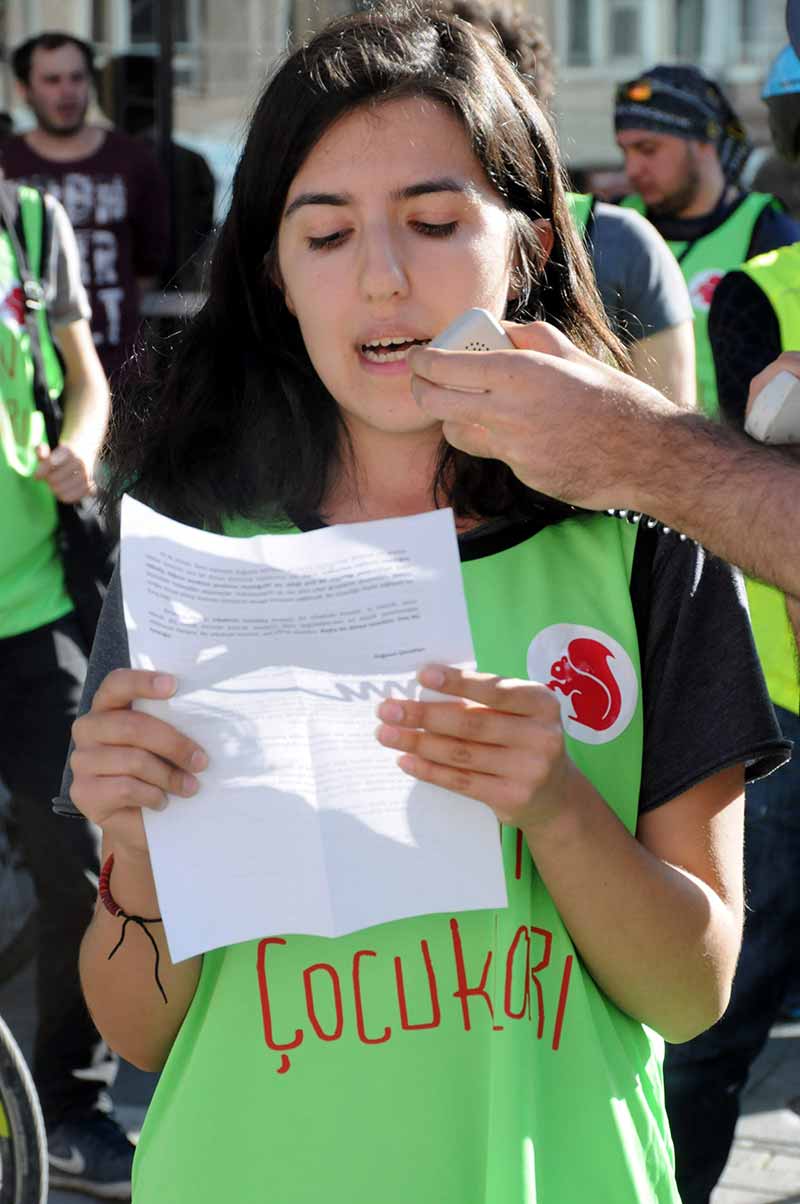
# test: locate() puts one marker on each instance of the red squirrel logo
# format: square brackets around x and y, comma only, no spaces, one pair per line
[708,289]
[585,677]
[703,287]
[13,306]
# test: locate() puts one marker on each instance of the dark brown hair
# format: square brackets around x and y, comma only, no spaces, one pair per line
[237,421]
[521,36]
[22,57]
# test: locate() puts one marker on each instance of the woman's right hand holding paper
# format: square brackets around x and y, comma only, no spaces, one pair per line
[125,760]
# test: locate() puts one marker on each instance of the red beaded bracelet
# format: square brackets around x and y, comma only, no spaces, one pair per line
[111,905]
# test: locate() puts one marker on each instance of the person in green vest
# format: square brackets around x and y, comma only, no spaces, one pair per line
[486,1057]
[684,149]
[641,287]
[755,316]
[43,651]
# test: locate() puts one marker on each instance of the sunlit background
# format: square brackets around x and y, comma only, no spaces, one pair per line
[223,48]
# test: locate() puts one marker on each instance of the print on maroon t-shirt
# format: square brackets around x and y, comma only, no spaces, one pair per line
[116,200]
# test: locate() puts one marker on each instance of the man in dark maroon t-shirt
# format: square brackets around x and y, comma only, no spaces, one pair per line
[110,185]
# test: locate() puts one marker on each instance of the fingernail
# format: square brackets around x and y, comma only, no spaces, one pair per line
[189,785]
[198,760]
[392,712]
[387,735]
[431,677]
[165,684]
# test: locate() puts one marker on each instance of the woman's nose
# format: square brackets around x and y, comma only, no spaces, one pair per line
[382,269]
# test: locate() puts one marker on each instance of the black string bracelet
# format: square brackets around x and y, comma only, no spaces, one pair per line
[111,905]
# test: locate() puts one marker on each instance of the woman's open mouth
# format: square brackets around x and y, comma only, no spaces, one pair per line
[390,350]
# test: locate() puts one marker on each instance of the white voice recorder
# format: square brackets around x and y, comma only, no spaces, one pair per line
[474,330]
[774,416]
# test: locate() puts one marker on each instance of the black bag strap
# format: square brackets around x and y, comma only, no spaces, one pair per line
[33,292]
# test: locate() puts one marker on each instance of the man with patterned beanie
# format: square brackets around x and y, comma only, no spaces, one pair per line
[684,149]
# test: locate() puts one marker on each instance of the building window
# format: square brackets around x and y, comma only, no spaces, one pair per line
[689,19]
[137,31]
[99,31]
[139,19]
[751,29]
[28,17]
[144,21]
[624,29]
[579,34]
[599,33]
[762,32]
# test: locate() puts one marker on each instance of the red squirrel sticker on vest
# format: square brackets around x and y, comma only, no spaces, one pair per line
[13,306]
[592,676]
[703,287]
[584,676]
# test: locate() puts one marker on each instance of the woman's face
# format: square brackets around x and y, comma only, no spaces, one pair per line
[390,231]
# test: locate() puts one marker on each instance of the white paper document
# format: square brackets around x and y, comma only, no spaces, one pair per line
[282,646]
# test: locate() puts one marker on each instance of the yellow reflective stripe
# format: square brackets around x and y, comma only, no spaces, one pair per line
[777,274]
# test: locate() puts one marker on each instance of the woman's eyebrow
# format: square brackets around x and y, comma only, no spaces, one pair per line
[443,184]
[317,198]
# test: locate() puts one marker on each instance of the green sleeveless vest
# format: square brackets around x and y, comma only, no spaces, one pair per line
[581,205]
[32,590]
[467,1058]
[777,274]
[703,264]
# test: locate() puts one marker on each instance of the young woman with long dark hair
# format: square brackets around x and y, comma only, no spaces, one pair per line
[396,173]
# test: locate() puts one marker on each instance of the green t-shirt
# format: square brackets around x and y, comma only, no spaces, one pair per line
[457,1059]
[32,589]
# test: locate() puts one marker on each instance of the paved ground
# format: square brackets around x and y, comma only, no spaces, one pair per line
[133,1088]
[764,1167]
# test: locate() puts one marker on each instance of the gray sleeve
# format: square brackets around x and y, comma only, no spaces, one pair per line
[66,297]
[639,279]
[109,651]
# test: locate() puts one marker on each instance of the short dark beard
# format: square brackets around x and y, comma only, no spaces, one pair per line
[61,131]
[679,201]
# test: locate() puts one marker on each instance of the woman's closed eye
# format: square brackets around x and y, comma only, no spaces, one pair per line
[435,229]
[427,229]
[324,241]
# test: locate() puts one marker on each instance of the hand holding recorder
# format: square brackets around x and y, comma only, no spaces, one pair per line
[773,411]
[773,414]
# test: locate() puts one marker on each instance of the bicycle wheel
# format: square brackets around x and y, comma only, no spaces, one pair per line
[23,1147]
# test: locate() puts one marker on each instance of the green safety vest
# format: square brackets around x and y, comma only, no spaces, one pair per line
[777,274]
[32,589]
[581,206]
[704,262]
[464,1058]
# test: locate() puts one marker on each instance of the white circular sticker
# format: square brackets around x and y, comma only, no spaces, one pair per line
[591,675]
[702,288]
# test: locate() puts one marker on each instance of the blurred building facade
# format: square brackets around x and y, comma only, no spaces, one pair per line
[601,42]
[223,49]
